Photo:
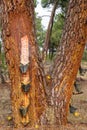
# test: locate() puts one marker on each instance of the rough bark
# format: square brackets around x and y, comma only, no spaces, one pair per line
[68,58]
[49,30]
[18,22]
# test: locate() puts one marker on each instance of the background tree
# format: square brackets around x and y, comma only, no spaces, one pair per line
[2,80]
[49,29]
[40,33]
[62,4]
[3,67]
[56,33]
[56,4]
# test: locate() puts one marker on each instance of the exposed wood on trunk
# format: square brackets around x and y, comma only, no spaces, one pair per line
[28,105]
[18,21]
[49,30]
[68,58]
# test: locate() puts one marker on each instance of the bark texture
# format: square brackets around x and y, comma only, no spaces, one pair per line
[18,21]
[68,58]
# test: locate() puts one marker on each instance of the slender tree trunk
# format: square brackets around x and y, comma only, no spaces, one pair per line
[2,77]
[68,58]
[1,74]
[49,30]
[26,73]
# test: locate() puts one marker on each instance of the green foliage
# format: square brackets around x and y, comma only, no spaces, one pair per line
[40,33]
[0,47]
[84,58]
[3,65]
[46,3]
[62,3]
[57,29]
[58,22]
[2,58]
[35,3]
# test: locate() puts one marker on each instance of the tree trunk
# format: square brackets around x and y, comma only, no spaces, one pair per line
[2,80]
[49,30]
[68,58]
[26,73]
[25,69]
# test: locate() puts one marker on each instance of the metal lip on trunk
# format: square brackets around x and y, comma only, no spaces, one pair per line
[25,87]
[23,111]
[24,68]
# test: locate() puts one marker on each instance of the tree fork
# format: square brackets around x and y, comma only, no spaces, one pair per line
[27,84]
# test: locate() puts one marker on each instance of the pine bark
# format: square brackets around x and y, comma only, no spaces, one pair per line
[18,21]
[68,58]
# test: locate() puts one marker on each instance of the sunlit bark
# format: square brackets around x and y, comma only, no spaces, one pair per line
[68,57]
[27,84]
[30,103]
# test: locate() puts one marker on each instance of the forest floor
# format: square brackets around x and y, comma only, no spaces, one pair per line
[75,122]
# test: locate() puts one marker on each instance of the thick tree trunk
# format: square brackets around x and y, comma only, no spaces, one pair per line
[26,74]
[68,58]
[49,30]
